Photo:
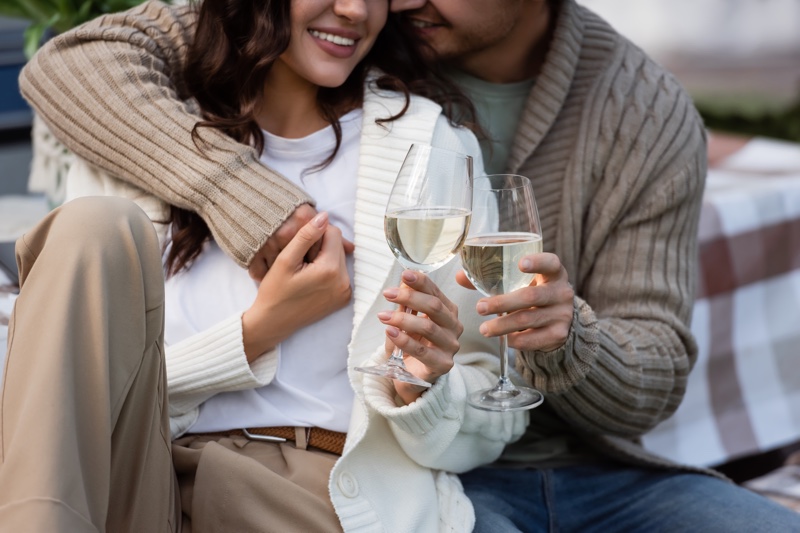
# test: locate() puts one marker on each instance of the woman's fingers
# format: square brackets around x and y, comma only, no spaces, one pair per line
[424,332]
[424,359]
[428,335]
[421,294]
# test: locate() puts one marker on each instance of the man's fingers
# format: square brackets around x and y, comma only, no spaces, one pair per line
[463,280]
[301,216]
[313,252]
[545,339]
[545,264]
[539,295]
[331,245]
[265,257]
[258,268]
[506,303]
[304,239]
[549,287]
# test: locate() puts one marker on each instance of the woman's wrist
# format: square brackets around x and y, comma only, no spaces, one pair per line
[256,338]
[409,392]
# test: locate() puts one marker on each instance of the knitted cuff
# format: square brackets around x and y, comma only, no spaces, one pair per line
[559,370]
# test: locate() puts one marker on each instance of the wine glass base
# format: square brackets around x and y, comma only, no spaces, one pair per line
[393,372]
[518,399]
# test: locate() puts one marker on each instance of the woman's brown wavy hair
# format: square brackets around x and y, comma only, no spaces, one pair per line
[236,42]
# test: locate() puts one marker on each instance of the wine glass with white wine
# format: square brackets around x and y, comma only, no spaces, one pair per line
[505,228]
[426,222]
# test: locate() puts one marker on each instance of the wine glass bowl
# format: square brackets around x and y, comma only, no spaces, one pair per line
[505,227]
[425,238]
[426,222]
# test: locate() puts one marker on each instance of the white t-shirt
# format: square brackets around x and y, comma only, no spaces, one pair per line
[311,386]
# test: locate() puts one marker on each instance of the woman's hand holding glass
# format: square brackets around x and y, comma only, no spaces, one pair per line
[428,336]
[426,220]
[295,293]
[536,317]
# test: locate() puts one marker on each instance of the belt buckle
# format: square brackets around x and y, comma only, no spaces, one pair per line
[263,438]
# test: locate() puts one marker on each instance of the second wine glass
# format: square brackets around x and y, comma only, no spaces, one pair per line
[505,228]
[426,222]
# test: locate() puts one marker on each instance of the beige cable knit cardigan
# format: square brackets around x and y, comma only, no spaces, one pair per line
[612,142]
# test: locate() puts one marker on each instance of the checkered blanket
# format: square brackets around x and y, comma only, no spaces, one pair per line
[743,395]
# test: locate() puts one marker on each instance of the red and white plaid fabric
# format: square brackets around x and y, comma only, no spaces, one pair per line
[743,395]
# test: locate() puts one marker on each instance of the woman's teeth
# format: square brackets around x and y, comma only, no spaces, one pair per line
[335,39]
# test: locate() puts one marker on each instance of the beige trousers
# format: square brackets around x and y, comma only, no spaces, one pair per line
[236,485]
[84,433]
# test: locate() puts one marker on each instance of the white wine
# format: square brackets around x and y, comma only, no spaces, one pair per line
[491,260]
[426,238]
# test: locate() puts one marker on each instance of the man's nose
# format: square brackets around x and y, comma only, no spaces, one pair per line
[405,5]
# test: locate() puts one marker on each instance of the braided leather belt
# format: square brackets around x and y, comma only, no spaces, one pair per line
[324,439]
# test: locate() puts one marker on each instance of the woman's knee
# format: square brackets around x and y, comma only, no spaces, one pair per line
[101,218]
[95,235]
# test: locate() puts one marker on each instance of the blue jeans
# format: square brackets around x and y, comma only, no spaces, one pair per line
[616,498]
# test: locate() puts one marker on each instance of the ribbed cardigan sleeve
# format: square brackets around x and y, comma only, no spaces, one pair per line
[112,90]
[208,363]
[627,235]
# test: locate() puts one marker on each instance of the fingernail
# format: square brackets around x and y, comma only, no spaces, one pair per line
[390,294]
[409,276]
[527,264]
[482,308]
[392,331]
[483,329]
[320,220]
[384,316]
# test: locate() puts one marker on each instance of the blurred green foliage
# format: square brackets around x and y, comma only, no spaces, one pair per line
[783,124]
[58,16]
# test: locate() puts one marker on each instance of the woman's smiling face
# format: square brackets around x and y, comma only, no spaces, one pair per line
[330,37]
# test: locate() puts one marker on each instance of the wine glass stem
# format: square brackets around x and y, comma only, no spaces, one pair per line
[396,359]
[504,384]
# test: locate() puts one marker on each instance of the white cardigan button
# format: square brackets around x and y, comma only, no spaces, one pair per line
[348,484]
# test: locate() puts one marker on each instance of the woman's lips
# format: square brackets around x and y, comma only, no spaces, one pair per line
[340,44]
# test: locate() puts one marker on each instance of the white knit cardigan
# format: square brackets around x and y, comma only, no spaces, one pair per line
[396,473]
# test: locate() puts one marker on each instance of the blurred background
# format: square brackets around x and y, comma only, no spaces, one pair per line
[15,116]
[740,59]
